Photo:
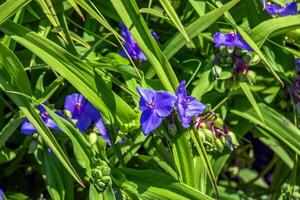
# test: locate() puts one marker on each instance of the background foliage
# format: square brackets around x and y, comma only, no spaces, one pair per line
[52,48]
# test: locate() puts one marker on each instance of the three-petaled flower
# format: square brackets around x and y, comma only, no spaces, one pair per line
[84,113]
[131,46]
[231,39]
[288,8]
[28,128]
[187,106]
[155,106]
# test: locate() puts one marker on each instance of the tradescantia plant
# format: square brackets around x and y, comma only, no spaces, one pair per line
[128,99]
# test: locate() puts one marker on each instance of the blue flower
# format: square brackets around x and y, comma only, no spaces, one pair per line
[28,128]
[187,106]
[131,46]
[84,113]
[1,194]
[230,40]
[155,106]
[289,8]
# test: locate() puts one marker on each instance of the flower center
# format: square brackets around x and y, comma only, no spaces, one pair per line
[151,105]
[44,115]
[78,106]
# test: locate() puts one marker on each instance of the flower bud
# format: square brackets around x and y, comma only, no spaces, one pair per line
[231,140]
[172,128]
[217,71]
[229,60]
[219,145]
[93,138]
[209,135]
[218,122]
[237,52]
[224,52]
[246,58]
[201,134]
[251,77]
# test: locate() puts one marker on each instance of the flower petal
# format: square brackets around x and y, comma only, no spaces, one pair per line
[27,128]
[181,92]
[150,121]
[84,121]
[219,39]
[241,43]
[194,107]
[164,103]
[102,129]
[147,97]
[51,124]
[75,103]
[290,8]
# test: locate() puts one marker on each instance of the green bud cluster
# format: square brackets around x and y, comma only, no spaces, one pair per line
[130,126]
[101,177]
[232,65]
[215,134]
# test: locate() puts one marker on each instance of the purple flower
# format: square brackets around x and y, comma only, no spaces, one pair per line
[231,40]
[155,106]
[28,128]
[295,89]
[131,46]
[84,113]
[187,106]
[289,8]
[297,65]
[1,194]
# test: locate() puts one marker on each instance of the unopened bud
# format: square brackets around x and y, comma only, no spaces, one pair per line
[251,77]
[201,134]
[224,52]
[209,135]
[219,145]
[231,140]
[172,128]
[218,122]
[93,137]
[229,60]
[246,58]
[237,52]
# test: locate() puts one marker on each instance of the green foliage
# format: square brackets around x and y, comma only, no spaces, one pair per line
[52,48]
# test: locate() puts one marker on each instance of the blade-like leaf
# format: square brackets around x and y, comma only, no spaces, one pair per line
[174,44]
[273,27]
[251,98]
[13,78]
[10,7]
[145,182]
[276,125]
[173,16]
[129,12]
[253,45]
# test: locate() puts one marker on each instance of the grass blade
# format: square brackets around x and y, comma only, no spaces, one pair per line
[174,18]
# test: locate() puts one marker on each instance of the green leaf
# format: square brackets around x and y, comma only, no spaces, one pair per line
[146,184]
[10,128]
[251,98]
[253,45]
[10,7]
[273,27]
[14,81]
[275,124]
[174,44]
[205,160]
[183,156]
[80,74]
[276,147]
[175,19]
[129,12]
